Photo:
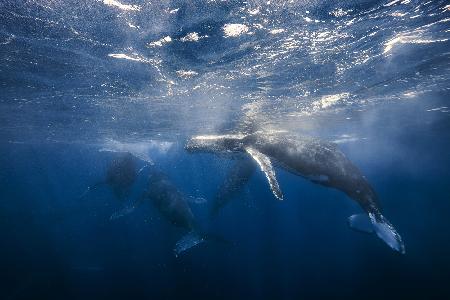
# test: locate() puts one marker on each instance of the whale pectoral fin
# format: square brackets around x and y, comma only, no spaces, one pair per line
[266,166]
[142,169]
[196,200]
[92,188]
[128,209]
[381,227]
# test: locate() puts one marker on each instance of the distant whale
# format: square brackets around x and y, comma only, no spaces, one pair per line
[236,179]
[121,174]
[319,161]
[174,207]
[171,203]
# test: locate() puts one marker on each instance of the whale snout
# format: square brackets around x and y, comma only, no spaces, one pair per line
[199,143]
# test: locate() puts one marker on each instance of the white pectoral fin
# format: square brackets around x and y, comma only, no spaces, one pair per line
[360,222]
[266,166]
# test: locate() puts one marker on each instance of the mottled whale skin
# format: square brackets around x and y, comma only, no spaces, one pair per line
[317,160]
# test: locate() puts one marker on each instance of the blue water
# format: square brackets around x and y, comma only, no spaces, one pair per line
[83,81]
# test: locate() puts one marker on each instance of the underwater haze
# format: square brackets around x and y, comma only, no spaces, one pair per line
[106,104]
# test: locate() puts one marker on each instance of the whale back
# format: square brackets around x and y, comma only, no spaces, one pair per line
[121,174]
[217,144]
[169,200]
[319,161]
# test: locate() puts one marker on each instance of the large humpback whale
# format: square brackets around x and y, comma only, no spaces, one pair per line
[317,160]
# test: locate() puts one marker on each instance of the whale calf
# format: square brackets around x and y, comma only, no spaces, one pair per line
[174,207]
[317,160]
[120,176]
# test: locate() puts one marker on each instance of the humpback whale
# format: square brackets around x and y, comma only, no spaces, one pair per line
[174,207]
[236,179]
[120,176]
[317,160]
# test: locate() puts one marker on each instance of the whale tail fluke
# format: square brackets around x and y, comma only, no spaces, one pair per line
[385,231]
[380,226]
[188,241]
[360,222]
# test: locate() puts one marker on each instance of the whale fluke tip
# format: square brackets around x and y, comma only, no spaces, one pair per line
[381,227]
[360,222]
[385,231]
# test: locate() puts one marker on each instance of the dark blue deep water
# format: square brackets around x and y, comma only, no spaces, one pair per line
[84,81]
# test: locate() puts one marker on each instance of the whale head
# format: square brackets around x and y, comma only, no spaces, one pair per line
[228,143]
